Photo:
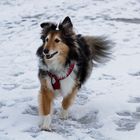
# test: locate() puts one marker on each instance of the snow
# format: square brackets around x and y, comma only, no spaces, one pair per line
[108,105]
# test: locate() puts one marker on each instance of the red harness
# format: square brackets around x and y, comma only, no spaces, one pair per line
[55,81]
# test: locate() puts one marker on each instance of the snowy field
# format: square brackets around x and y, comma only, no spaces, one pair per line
[107,106]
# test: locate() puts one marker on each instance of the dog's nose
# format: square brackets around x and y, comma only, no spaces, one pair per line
[45,51]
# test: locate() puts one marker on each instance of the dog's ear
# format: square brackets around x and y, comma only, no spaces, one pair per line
[42,25]
[46,28]
[48,25]
[66,25]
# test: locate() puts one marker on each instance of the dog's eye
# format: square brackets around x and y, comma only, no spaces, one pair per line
[57,40]
[46,39]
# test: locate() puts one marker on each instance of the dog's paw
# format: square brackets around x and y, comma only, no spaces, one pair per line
[46,123]
[40,121]
[64,114]
[44,128]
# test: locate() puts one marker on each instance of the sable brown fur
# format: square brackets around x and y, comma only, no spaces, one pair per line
[46,97]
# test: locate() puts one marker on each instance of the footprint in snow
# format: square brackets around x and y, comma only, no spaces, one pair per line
[128,120]
[10,86]
[106,77]
[2,104]
[135,74]
[32,110]
[125,124]
[90,120]
[33,131]
[134,100]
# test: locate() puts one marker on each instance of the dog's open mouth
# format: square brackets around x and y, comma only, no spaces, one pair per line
[49,56]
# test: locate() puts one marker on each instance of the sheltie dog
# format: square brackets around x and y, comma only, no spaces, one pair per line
[65,63]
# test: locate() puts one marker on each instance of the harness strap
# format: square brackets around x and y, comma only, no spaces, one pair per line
[55,81]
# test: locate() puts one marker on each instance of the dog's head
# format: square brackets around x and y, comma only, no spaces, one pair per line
[59,44]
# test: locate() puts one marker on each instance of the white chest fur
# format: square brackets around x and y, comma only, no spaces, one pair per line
[66,85]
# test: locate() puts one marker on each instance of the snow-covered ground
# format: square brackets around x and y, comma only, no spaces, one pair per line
[107,106]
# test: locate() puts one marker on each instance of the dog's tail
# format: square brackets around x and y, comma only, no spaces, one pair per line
[101,49]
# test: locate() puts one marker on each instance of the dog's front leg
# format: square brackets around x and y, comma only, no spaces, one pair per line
[67,102]
[45,107]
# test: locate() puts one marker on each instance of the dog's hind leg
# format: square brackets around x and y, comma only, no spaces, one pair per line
[67,102]
[45,107]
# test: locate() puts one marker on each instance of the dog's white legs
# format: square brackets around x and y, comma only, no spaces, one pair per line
[66,103]
[45,109]
[64,114]
[46,123]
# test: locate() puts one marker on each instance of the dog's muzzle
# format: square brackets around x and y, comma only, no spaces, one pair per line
[49,56]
